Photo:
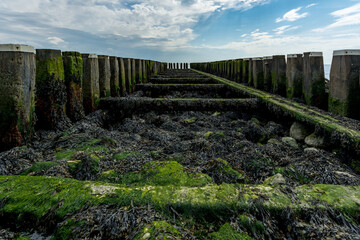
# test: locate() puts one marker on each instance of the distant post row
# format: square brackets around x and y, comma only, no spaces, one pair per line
[51,86]
[299,76]
[178,66]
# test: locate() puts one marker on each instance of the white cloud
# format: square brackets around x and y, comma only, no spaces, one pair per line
[292,15]
[244,35]
[170,21]
[283,29]
[345,17]
[311,5]
[55,40]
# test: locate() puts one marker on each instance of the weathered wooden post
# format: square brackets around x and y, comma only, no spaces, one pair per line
[128,74]
[133,74]
[114,77]
[91,86]
[73,69]
[139,75]
[314,79]
[17,94]
[344,96]
[267,66]
[278,75]
[245,70]
[294,75]
[144,71]
[258,73]
[104,75]
[51,94]
[122,77]
[250,78]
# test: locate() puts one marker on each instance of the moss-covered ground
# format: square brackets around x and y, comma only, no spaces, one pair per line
[188,175]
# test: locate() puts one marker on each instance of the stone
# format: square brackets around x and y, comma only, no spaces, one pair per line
[290,141]
[277,179]
[314,141]
[311,150]
[299,131]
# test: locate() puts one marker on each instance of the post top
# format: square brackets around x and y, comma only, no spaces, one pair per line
[247,59]
[294,55]
[314,54]
[16,48]
[278,56]
[257,59]
[267,57]
[103,56]
[347,52]
[89,55]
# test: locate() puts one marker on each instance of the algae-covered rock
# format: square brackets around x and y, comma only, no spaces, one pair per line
[314,141]
[226,231]
[299,131]
[277,179]
[290,141]
[159,230]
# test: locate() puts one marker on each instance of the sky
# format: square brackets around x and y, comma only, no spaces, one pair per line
[183,30]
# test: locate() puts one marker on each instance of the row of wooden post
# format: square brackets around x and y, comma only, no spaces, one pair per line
[52,85]
[178,66]
[299,76]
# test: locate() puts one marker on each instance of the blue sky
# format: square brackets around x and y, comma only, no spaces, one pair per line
[183,30]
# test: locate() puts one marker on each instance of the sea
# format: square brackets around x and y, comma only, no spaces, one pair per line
[327,71]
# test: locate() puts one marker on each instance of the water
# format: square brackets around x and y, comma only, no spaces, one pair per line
[327,70]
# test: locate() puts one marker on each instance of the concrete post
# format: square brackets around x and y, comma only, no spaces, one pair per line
[294,75]
[344,96]
[50,88]
[314,79]
[128,74]
[267,67]
[258,73]
[144,71]
[73,68]
[139,77]
[122,77]
[114,77]
[17,94]
[104,75]
[91,86]
[245,70]
[278,75]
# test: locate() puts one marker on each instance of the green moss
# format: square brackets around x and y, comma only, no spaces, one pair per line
[251,225]
[123,155]
[207,134]
[190,120]
[226,170]
[227,232]
[338,107]
[88,147]
[22,238]
[50,69]
[66,231]
[159,230]
[39,167]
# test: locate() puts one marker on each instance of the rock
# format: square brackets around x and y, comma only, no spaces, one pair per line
[146,236]
[299,131]
[273,140]
[290,141]
[311,150]
[314,141]
[275,180]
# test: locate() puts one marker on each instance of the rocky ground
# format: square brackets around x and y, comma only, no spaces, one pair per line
[171,152]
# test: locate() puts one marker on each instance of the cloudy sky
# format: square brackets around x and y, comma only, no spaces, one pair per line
[183,30]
